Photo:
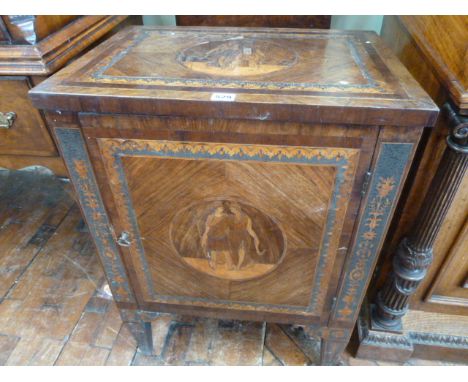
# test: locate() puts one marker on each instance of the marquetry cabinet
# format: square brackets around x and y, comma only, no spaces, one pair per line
[31,49]
[238,173]
[432,216]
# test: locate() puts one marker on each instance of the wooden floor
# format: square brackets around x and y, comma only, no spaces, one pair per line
[55,308]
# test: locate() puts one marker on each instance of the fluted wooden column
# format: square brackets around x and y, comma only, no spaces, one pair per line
[414,254]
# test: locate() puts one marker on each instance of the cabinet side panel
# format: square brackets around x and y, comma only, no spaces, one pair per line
[391,162]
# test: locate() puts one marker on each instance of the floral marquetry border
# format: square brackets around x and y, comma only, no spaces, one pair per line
[381,199]
[344,159]
[201,150]
[79,166]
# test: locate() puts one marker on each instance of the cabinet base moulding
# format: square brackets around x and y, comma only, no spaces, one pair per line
[377,343]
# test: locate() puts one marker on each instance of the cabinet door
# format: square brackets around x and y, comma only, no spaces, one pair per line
[242,221]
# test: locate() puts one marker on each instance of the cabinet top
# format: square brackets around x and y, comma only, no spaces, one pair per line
[267,74]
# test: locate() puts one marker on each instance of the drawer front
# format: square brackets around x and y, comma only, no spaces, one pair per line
[26,133]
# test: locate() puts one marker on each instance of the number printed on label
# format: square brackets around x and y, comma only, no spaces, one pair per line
[226,97]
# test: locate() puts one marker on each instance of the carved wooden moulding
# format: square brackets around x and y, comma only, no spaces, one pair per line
[238,173]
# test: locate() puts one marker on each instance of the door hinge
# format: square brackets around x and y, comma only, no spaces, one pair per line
[365,184]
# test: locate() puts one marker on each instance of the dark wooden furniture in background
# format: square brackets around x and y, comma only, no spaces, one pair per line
[435,50]
[246,174]
[317,22]
[32,48]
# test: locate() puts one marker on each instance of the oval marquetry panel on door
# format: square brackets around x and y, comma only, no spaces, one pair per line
[227,238]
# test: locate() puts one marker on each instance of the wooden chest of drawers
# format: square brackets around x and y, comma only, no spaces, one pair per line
[31,49]
[238,173]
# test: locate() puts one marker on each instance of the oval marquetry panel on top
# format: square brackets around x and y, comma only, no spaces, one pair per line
[237,57]
[273,74]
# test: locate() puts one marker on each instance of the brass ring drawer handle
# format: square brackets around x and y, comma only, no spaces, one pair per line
[7,119]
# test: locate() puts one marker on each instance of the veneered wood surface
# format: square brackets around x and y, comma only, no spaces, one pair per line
[32,29]
[405,47]
[5,37]
[248,180]
[450,285]
[386,135]
[320,22]
[52,53]
[209,168]
[347,77]
[282,204]
[92,331]
[442,41]
[28,134]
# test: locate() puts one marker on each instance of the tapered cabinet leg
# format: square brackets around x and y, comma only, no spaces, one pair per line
[142,332]
[333,344]
[331,351]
